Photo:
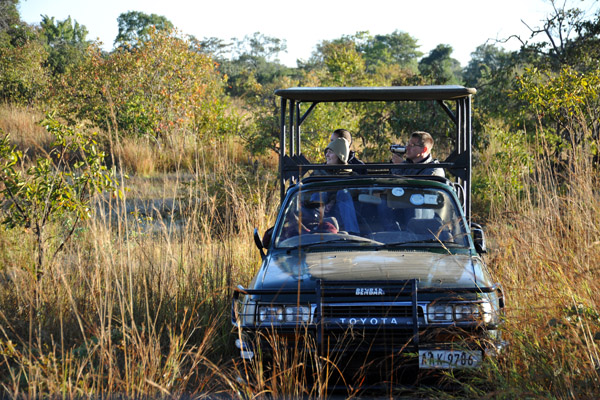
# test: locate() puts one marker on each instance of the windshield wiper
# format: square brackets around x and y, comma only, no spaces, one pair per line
[426,241]
[338,241]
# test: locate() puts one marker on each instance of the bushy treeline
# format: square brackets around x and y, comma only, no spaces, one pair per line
[157,83]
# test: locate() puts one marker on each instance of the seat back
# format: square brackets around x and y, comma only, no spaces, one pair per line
[428,227]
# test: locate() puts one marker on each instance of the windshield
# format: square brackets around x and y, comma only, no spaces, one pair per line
[392,216]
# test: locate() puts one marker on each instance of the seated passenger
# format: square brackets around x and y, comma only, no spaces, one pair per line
[418,151]
[345,134]
[340,207]
[336,153]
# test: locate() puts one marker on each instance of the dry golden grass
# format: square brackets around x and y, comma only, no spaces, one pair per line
[136,156]
[138,302]
[545,247]
[136,305]
[23,126]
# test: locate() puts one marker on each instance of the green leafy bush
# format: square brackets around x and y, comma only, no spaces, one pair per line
[566,104]
[162,87]
[22,75]
[56,188]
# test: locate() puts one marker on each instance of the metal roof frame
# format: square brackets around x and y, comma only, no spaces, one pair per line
[293,165]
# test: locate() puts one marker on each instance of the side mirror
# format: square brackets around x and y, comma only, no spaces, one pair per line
[478,238]
[266,239]
[259,243]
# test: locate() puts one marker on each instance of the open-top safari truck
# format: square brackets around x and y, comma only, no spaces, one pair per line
[383,272]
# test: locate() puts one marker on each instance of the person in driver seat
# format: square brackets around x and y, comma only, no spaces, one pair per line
[337,207]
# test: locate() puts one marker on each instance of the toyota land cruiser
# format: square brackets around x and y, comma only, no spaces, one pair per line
[378,269]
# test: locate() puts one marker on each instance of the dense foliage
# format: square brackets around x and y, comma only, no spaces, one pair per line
[155,82]
[159,88]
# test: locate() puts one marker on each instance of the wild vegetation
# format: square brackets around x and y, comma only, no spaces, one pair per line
[131,181]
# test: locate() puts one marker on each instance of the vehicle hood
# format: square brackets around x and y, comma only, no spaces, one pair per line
[440,270]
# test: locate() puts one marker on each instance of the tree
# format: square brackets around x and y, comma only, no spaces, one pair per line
[485,62]
[587,45]
[13,31]
[9,14]
[254,61]
[566,104]
[491,71]
[326,48]
[395,48]
[260,46]
[52,190]
[339,62]
[159,87]
[22,75]
[567,37]
[261,127]
[215,47]
[438,68]
[345,65]
[64,41]
[135,27]
[568,40]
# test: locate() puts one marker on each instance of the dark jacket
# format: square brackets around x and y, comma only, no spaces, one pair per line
[353,160]
[417,171]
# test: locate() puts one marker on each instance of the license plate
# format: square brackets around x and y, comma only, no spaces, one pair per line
[449,359]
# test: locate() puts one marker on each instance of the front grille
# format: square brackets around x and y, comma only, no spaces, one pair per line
[369,311]
[382,340]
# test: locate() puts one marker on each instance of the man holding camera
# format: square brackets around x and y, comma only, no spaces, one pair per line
[416,151]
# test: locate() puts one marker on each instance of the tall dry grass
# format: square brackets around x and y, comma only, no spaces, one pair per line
[138,302]
[545,247]
[22,124]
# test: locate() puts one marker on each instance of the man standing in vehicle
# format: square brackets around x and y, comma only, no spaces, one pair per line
[418,151]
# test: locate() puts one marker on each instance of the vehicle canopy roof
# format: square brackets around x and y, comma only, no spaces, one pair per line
[393,93]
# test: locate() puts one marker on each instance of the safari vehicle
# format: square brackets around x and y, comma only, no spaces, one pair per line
[382,271]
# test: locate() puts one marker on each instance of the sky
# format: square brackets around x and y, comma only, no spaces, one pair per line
[462,24]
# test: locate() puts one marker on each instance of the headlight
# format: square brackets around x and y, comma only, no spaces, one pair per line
[284,314]
[249,309]
[297,314]
[480,311]
[466,312]
[270,314]
[440,312]
[487,313]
